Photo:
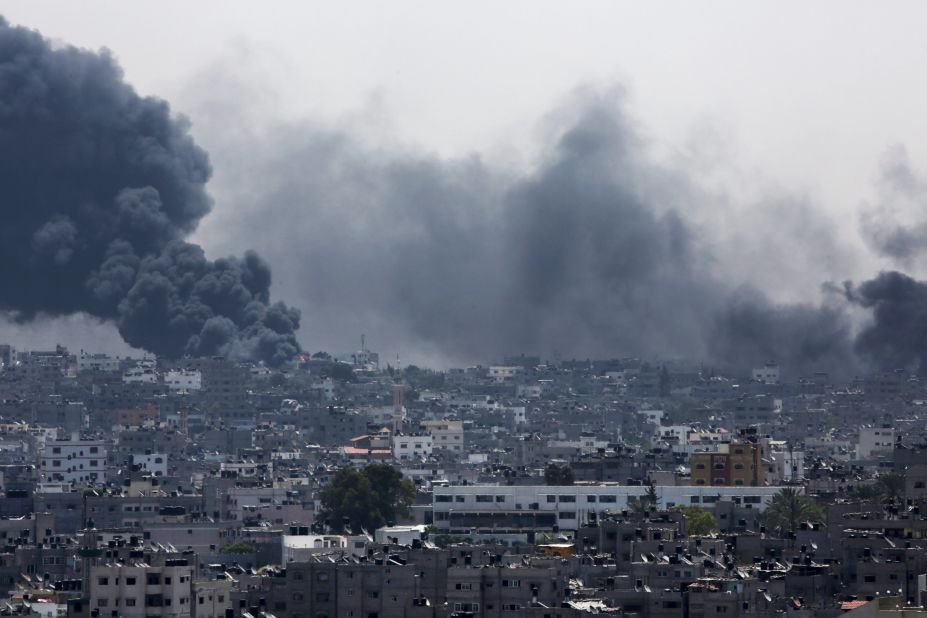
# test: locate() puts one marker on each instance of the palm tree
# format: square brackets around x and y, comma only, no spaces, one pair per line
[789,507]
[891,487]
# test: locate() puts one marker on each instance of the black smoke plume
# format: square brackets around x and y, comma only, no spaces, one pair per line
[98,189]
[896,336]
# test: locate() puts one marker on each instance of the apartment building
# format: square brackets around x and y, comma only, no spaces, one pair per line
[736,464]
[141,590]
[74,460]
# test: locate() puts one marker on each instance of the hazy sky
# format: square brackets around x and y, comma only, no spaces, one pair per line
[804,98]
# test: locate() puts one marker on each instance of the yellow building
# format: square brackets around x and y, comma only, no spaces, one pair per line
[735,464]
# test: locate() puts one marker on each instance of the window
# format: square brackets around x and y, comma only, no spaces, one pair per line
[500,498]
[103,581]
[484,498]
[322,577]
[608,499]
[567,514]
[567,498]
[154,600]
[443,498]
[511,583]
[130,602]
[130,581]
[464,586]
[153,579]
[590,498]
[551,498]
[102,602]
[751,499]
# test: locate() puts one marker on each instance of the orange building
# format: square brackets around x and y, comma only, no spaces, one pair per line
[735,464]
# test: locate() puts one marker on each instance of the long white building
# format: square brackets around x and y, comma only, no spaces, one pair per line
[568,507]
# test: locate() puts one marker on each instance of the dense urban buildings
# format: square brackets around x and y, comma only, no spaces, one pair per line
[335,487]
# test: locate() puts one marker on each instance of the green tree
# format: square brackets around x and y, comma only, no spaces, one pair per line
[649,501]
[891,486]
[367,498]
[559,474]
[887,488]
[343,372]
[698,521]
[788,508]
[238,547]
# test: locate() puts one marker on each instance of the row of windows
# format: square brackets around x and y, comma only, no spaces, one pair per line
[607,499]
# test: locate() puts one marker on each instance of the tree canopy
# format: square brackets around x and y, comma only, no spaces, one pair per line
[788,508]
[698,521]
[367,499]
[889,487]
[559,474]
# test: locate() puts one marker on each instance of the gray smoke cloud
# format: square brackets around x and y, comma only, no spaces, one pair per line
[896,226]
[100,187]
[593,252]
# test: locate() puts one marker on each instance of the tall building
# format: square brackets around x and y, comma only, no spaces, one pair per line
[734,464]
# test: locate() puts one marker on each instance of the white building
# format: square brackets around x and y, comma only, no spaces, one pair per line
[874,441]
[153,463]
[654,417]
[140,374]
[400,535]
[519,415]
[529,391]
[504,373]
[183,380]
[412,447]
[140,590]
[97,362]
[584,444]
[74,461]
[464,507]
[300,548]
[448,435]
[326,387]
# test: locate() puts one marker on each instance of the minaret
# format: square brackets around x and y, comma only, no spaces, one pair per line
[398,410]
[89,552]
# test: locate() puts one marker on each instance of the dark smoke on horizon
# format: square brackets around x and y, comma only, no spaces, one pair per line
[592,254]
[98,189]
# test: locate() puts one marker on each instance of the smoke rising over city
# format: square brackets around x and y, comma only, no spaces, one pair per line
[100,188]
[596,250]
